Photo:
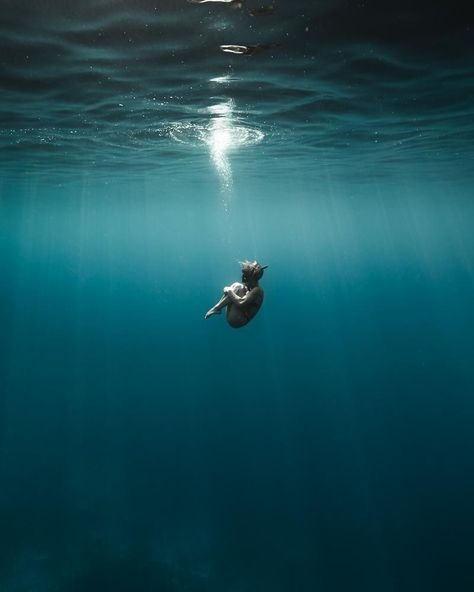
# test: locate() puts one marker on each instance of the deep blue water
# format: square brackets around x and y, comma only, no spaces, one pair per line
[328,445]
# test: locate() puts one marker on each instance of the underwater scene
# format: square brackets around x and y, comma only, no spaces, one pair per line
[299,172]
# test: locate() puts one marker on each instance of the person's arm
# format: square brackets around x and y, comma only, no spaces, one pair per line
[242,300]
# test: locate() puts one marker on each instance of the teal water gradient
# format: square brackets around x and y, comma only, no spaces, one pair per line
[327,445]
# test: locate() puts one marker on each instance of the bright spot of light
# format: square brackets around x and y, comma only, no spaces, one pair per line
[221,79]
[222,109]
[220,139]
[220,142]
[222,134]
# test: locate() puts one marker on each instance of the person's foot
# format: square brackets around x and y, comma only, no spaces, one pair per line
[212,312]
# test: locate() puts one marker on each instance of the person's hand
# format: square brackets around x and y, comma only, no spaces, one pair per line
[226,290]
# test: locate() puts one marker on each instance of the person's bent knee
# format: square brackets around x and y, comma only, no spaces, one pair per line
[233,287]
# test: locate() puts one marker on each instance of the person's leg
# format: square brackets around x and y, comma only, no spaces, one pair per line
[236,317]
[216,309]
[238,288]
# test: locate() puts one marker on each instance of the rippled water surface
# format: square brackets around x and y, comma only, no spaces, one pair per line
[107,84]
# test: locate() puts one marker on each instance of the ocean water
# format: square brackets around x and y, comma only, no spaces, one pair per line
[328,445]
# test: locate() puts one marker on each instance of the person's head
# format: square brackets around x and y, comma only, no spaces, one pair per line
[252,271]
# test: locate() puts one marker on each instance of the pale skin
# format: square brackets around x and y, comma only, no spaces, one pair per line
[243,301]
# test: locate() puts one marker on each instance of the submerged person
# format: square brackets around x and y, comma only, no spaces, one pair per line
[242,299]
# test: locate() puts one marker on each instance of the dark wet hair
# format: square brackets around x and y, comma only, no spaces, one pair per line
[251,270]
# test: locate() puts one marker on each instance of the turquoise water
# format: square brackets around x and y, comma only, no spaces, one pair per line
[327,446]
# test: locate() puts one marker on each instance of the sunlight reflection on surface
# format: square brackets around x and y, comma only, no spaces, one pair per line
[220,140]
[221,135]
